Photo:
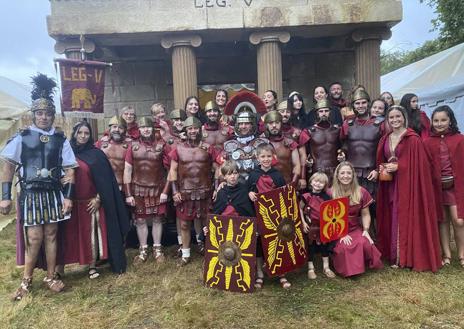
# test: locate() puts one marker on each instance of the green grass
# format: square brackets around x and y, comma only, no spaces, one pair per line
[164,296]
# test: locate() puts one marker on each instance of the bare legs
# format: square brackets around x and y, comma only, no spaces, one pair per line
[450,215]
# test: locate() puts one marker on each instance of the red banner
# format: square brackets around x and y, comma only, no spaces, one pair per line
[230,253]
[82,87]
[281,234]
[334,219]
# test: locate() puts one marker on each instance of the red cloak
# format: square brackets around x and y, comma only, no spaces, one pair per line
[418,240]
[455,143]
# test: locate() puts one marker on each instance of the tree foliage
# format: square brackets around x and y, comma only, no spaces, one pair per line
[449,23]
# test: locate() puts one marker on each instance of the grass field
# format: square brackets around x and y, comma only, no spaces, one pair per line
[164,296]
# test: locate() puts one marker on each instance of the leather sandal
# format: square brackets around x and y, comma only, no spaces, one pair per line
[312,274]
[284,283]
[445,261]
[158,254]
[55,285]
[259,282]
[461,261]
[23,290]
[183,261]
[93,273]
[329,273]
[142,256]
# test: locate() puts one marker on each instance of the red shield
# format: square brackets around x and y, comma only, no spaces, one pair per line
[334,219]
[279,226]
[230,254]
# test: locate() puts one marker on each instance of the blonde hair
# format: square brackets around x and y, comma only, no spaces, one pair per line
[320,176]
[229,167]
[353,191]
[156,108]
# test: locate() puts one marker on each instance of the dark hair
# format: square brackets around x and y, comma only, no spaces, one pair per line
[274,94]
[325,89]
[453,122]
[76,147]
[403,111]
[387,92]
[224,91]
[385,105]
[413,114]
[296,120]
[188,100]
[335,83]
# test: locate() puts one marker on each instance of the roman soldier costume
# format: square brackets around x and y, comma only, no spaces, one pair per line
[213,132]
[115,150]
[174,136]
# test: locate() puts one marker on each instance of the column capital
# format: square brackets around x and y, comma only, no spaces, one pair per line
[276,36]
[74,45]
[371,34]
[192,40]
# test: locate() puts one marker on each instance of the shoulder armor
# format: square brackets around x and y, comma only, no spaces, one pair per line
[22,132]
[135,146]
[205,146]
[377,122]
[350,122]
[59,131]
[205,134]
[312,128]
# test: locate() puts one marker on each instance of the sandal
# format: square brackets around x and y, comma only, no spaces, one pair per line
[158,254]
[259,282]
[23,290]
[93,273]
[284,283]
[461,261]
[312,274]
[445,261]
[183,261]
[142,256]
[53,284]
[201,248]
[329,273]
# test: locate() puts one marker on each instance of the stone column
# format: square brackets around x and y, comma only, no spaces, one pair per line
[269,60]
[367,58]
[72,50]
[184,66]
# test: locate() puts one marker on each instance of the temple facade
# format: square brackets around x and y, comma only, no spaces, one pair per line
[167,50]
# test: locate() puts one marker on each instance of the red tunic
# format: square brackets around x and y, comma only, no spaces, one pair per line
[79,243]
[313,207]
[455,144]
[133,131]
[425,124]
[407,232]
[349,260]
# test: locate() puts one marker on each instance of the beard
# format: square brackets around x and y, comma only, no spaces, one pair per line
[117,137]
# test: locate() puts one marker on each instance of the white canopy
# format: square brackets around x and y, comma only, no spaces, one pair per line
[436,80]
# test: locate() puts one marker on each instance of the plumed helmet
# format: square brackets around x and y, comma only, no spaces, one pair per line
[272,116]
[192,122]
[360,94]
[145,122]
[322,104]
[211,105]
[245,101]
[43,89]
[118,120]
[177,114]
[282,106]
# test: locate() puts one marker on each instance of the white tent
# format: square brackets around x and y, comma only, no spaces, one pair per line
[436,80]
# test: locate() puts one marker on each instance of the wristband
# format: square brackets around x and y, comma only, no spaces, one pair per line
[127,190]
[68,191]
[6,190]
[174,187]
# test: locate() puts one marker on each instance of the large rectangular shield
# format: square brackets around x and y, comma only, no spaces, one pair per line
[280,229]
[230,253]
[334,219]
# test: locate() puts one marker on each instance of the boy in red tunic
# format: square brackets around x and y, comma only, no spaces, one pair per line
[261,180]
[318,182]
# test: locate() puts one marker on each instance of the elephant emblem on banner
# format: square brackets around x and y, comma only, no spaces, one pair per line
[83,95]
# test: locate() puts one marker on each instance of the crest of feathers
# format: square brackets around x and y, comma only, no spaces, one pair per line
[43,87]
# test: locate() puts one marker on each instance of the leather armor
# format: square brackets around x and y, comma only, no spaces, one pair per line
[361,145]
[41,160]
[216,137]
[194,177]
[283,151]
[172,139]
[116,153]
[323,147]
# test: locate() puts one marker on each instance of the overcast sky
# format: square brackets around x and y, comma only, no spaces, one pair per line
[26,47]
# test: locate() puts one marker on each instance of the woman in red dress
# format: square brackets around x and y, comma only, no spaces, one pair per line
[407,232]
[446,149]
[355,250]
[417,119]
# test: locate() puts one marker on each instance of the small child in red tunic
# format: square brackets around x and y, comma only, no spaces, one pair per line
[263,179]
[311,203]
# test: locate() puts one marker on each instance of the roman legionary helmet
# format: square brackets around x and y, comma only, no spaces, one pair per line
[118,120]
[360,94]
[322,104]
[245,101]
[145,122]
[272,116]
[177,114]
[192,122]
[43,89]
[211,105]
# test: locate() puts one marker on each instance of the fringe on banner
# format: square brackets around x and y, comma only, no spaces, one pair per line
[84,115]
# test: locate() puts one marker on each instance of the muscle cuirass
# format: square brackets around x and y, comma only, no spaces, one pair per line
[323,147]
[284,157]
[292,133]
[41,160]
[243,154]
[217,138]
[116,153]
[194,171]
[147,164]
[172,139]
[361,144]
